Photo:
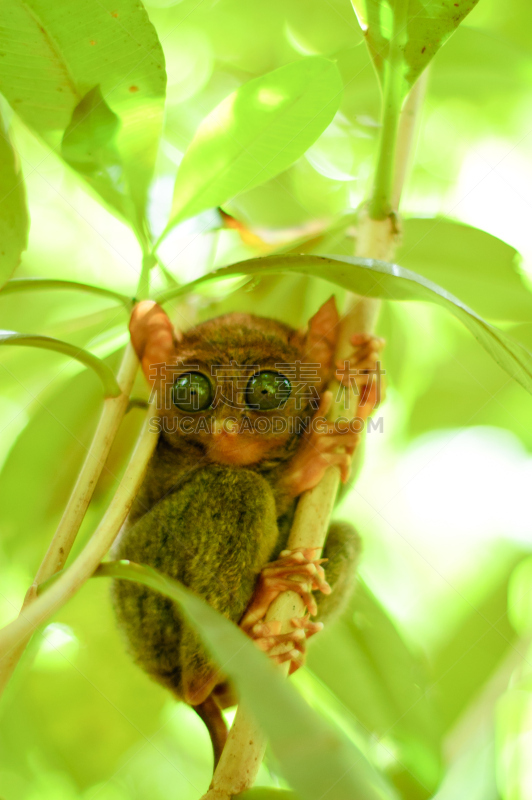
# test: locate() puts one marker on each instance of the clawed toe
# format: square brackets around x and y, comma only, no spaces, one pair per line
[296,570]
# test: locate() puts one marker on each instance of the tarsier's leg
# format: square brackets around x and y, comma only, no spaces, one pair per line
[342,551]
[220,562]
[299,571]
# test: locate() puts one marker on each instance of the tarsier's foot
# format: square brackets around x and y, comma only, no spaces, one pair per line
[362,372]
[318,450]
[267,637]
[298,571]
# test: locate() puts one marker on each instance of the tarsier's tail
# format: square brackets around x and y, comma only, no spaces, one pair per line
[210,713]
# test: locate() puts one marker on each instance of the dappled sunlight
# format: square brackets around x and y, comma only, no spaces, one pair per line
[497,174]
[270,96]
[58,649]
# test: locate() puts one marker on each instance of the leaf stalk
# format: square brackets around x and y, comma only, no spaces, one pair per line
[380,204]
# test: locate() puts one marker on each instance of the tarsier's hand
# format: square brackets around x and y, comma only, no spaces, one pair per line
[320,447]
[319,450]
[298,571]
[362,372]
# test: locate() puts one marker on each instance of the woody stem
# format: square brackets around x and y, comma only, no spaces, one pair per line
[243,752]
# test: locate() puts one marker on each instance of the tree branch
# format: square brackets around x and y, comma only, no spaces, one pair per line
[377,238]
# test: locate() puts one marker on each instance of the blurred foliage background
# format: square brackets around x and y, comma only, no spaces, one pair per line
[429,671]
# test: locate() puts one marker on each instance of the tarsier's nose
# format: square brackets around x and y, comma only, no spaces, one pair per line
[226,426]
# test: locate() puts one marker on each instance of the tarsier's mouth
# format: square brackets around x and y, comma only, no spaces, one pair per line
[240,449]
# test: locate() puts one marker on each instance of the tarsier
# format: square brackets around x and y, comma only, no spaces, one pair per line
[239,443]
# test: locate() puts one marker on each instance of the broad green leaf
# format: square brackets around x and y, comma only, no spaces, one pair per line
[520,598]
[476,648]
[477,267]
[469,70]
[474,265]
[389,702]
[14,220]
[47,456]
[458,368]
[104,372]
[46,284]
[89,146]
[89,141]
[53,54]
[316,760]
[512,721]
[373,278]
[421,27]
[255,133]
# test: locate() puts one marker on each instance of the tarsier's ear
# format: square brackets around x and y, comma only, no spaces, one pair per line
[321,337]
[153,338]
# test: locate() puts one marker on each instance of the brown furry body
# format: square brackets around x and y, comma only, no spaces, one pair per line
[210,519]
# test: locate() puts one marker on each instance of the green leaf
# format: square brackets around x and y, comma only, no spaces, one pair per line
[429,23]
[392,703]
[479,268]
[429,384]
[54,54]
[89,146]
[476,648]
[316,760]
[14,220]
[512,724]
[256,133]
[373,278]
[104,372]
[89,141]
[520,598]
[55,441]
[30,284]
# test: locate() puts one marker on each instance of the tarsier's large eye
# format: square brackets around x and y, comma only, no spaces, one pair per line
[192,392]
[267,390]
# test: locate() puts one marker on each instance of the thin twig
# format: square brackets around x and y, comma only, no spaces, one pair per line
[112,413]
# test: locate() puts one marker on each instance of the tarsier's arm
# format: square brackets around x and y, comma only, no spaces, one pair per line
[333,443]
[302,571]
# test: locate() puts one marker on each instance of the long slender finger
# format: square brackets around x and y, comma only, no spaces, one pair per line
[266,643]
[262,629]
[290,655]
[325,404]
[358,339]
[289,564]
[305,624]
[307,553]
[342,460]
[333,440]
[258,607]
[304,593]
